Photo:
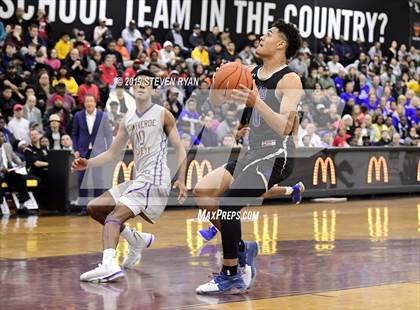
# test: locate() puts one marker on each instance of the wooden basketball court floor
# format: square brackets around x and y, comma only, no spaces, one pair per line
[362,254]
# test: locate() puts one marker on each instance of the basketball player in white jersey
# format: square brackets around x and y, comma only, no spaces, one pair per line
[148,127]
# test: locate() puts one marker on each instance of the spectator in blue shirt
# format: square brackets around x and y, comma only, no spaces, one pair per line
[397,115]
[383,104]
[363,90]
[206,135]
[29,58]
[339,81]
[189,117]
[415,120]
[348,93]
[10,51]
[388,94]
[408,96]
[410,110]
[376,84]
[373,103]
[3,33]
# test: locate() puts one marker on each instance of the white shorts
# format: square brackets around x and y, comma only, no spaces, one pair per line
[142,197]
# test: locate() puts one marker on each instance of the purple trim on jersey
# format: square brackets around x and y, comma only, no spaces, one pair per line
[137,189]
[161,162]
[144,112]
[157,161]
[147,196]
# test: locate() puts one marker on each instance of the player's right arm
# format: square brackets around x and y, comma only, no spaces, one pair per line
[117,147]
[242,128]
[181,156]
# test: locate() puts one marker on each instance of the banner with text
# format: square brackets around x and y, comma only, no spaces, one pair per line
[368,21]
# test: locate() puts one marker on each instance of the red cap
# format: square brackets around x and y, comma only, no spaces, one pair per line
[57,97]
[17,106]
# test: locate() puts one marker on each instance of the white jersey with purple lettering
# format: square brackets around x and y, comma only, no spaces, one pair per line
[148,192]
[149,142]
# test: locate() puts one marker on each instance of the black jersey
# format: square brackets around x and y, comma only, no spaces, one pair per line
[261,134]
[33,154]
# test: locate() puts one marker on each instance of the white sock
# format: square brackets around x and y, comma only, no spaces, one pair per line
[128,235]
[289,190]
[108,257]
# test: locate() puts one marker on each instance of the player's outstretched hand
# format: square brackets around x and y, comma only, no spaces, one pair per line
[245,95]
[182,191]
[79,164]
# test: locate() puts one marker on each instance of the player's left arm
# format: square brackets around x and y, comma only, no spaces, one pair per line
[290,88]
[181,156]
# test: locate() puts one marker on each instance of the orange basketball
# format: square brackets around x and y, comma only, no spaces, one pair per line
[228,78]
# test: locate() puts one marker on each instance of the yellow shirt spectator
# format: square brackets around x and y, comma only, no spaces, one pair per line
[71,85]
[378,131]
[414,86]
[63,47]
[201,55]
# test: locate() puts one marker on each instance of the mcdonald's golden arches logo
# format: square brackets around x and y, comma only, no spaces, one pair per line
[378,164]
[418,172]
[194,165]
[324,164]
[127,172]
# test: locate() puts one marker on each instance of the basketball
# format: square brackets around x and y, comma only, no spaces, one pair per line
[228,78]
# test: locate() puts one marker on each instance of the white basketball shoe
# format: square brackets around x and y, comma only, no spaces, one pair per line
[103,273]
[143,240]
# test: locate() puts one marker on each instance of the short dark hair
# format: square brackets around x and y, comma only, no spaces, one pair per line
[294,40]
[148,73]
[90,95]
[78,43]
[60,85]
[30,86]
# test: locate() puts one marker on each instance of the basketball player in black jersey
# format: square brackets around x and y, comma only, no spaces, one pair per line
[272,118]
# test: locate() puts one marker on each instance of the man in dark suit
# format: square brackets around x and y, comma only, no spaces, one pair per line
[9,160]
[92,135]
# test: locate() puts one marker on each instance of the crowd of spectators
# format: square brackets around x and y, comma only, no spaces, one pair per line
[355,95]
[359,97]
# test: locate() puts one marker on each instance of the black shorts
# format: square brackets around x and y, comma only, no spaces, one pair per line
[271,162]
